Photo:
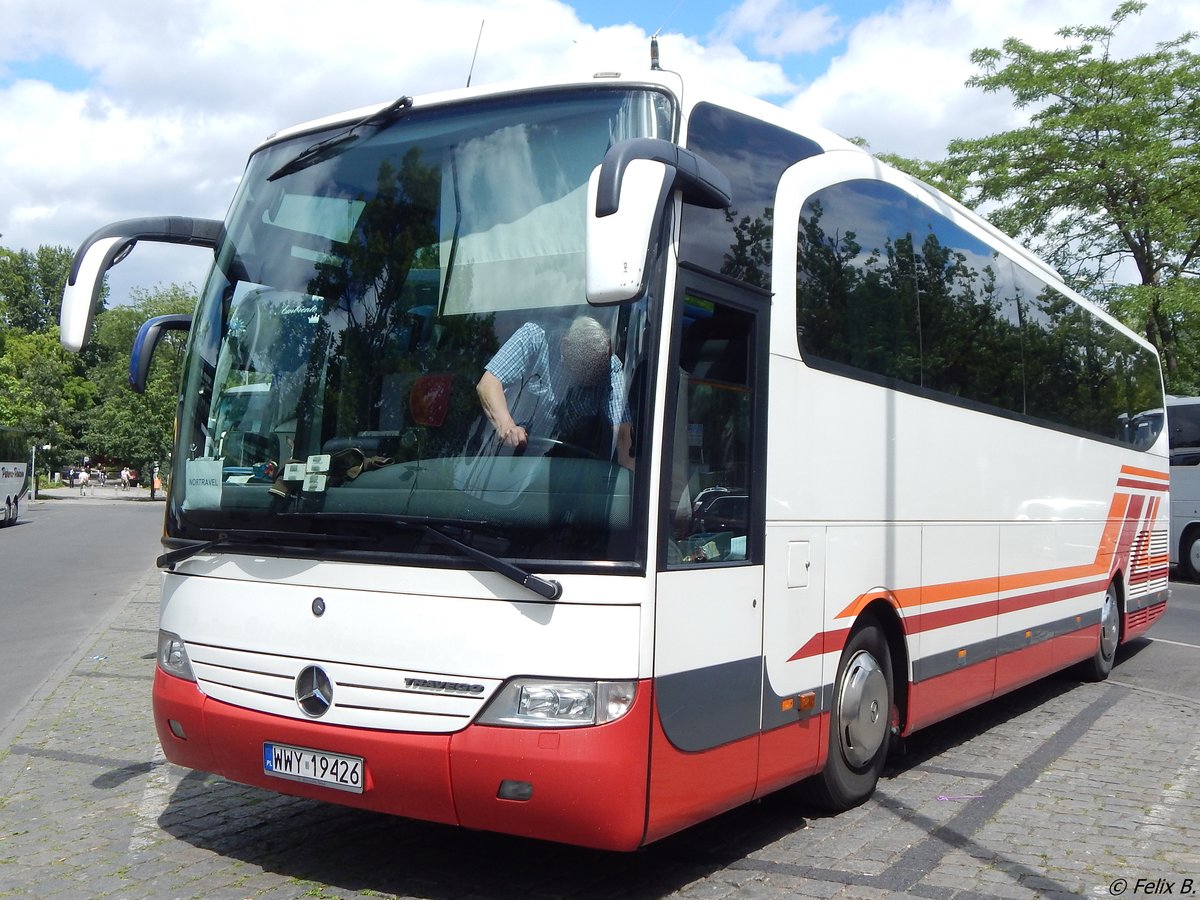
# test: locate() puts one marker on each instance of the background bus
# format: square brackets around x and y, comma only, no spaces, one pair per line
[847,462]
[1183,428]
[14,473]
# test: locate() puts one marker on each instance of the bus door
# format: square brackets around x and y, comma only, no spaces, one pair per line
[709,606]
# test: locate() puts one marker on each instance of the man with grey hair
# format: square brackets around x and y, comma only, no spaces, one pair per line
[528,389]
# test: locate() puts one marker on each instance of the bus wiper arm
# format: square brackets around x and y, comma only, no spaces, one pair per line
[340,142]
[246,536]
[544,587]
[179,554]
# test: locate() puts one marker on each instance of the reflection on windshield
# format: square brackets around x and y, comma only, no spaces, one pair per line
[401,330]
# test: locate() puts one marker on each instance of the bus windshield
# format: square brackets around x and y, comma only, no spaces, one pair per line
[397,327]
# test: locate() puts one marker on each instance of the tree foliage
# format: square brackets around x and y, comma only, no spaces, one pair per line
[941,174]
[31,286]
[1105,178]
[124,425]
[41,390]
[81,405]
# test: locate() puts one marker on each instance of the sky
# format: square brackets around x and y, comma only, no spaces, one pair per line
[129,108]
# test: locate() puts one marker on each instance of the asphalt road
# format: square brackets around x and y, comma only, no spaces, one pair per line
[1182,620]
[1167,659]
[65,568]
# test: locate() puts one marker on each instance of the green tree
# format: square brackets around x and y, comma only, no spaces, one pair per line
[949,179]
[122,426]
[81,404]
[43,393]
[1105,176]
[31,286]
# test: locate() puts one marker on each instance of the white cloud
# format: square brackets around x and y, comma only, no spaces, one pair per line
[779,28]
[179,94]
[176,94]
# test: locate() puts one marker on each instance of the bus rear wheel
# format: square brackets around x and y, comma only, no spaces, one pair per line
[860,720]
[1110,636]
[1189,554]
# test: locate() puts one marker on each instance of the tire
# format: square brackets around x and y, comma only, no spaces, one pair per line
[859,721]
[1101,664]
[1189,554]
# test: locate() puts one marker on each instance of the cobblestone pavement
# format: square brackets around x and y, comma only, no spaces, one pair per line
[1061,789]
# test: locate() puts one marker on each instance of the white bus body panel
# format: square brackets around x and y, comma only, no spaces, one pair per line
[906,494]
[383,648]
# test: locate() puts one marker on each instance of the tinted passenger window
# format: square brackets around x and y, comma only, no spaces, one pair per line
[1058,354]
[970,324]
[1129,393]
[888,290]
[1184,423]
[857,280]
[1081,372]
[753,154]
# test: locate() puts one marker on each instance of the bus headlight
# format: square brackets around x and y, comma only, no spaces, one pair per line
[172,656]
[541,703]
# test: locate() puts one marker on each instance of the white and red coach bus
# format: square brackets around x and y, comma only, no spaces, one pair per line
[848,461]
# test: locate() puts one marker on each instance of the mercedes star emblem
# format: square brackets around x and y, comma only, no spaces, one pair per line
[314,691]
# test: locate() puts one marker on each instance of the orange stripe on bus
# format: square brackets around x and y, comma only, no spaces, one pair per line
[906,598]
[1145,473]
[1110,540]
[1142,485]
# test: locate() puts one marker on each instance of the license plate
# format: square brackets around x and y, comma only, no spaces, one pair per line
[314,766]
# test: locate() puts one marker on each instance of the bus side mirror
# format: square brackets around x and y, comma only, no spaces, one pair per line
[147,339]
[82,290]
[617,246]
[104,249]
[627,200]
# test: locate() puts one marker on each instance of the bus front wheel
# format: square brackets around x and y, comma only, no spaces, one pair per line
[860,720]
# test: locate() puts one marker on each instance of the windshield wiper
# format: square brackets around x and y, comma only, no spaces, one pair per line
[544,587]
[548,588]
[248,536]
[340,142]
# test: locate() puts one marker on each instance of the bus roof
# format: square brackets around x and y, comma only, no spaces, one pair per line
[698,89]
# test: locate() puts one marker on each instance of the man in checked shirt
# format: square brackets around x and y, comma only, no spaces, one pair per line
[573,393]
